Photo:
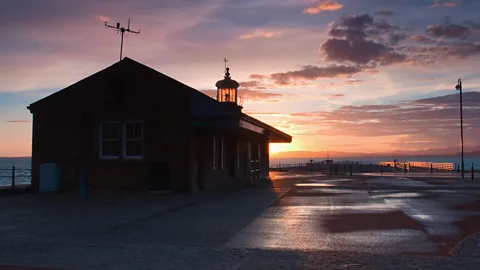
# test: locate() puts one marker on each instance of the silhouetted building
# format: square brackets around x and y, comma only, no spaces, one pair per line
[129,127]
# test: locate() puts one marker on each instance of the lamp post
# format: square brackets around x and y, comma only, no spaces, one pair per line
[459,87]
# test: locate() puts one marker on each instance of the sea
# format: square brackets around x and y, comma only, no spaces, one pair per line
[23,164]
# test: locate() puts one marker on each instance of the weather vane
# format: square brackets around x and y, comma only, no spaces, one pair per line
[122,30]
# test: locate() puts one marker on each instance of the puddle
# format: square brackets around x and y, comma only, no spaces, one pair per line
[397,195]
[314,185]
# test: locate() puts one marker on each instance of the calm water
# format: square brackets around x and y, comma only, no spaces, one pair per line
[22,170]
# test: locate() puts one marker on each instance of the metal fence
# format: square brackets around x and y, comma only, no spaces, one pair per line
[15,176]
[359,167]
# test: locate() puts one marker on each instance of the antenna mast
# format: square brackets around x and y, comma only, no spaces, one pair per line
[122,30]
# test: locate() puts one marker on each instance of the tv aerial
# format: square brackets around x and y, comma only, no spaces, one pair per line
[122,31]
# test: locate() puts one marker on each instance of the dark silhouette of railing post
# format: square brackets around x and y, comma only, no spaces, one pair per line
[405,167]
[381,169]
[13,177]
[473,172]
[431,167]
[345,168]
[351,170]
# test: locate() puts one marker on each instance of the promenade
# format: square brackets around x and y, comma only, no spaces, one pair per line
[300,221]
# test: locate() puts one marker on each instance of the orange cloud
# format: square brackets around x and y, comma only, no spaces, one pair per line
[323,5]
[258,34]
[446,4]
[103,18]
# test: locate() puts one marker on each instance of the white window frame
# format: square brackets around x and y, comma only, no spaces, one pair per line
[215,159]
[124,140]
[100,139]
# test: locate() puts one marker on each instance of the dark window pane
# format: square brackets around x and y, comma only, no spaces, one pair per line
[129,148]
[115,151]
[105,148]
[129,131]
[138,148]
[105,129]
[138,131]
[114,131]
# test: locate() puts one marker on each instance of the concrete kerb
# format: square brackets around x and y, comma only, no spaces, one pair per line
[466,245]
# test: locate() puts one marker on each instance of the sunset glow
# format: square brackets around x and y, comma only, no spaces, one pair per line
[344,75]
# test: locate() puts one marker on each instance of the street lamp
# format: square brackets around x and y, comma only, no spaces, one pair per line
[459,87]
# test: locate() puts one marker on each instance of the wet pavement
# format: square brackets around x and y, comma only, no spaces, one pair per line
[370,214]
[323,222]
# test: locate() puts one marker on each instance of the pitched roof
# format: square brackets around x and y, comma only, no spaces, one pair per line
[127,61]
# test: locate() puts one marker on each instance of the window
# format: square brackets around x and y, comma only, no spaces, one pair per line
[133,140]
[215,165]
[110,140]
[224,154]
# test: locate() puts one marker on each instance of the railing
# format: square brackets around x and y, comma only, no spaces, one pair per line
[350,167]
[14,176]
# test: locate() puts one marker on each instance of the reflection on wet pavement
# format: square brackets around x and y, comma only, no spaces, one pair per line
[377,215]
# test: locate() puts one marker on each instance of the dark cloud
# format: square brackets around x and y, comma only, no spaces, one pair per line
[361,52]
[361,40]
[18,121]
[314,72]
[356,21]
[449,31]
[395,38]
[384,12]
[473,25]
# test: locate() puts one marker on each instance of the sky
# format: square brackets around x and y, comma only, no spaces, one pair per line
[338,75]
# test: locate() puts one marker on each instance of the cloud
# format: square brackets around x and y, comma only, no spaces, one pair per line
[384,12]
[336,96]
[435,119]
[314,72]
[422,39]
[355,81]
[438,3]
[358,39]
[257,77]
[449,31]
[323,5]
[258,34]
[18,121]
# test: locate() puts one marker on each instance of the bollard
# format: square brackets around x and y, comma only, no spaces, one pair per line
[381,169]
[13,177]
[473,172]
[405,167]
[83,188]
[351,170]
[431,167]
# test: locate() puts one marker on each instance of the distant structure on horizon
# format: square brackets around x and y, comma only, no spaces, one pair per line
[130,127]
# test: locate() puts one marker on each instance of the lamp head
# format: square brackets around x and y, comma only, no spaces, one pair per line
[459,85]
